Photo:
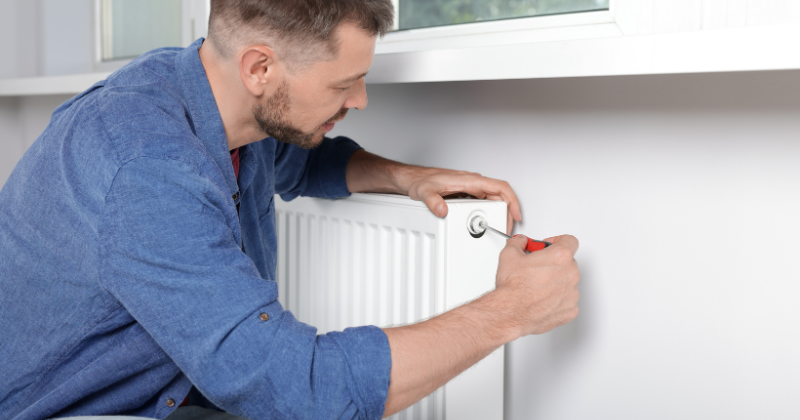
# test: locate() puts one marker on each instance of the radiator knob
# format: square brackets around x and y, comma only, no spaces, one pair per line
[476,223]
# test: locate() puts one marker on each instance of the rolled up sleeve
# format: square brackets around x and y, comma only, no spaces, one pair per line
[173,259]
[319,172]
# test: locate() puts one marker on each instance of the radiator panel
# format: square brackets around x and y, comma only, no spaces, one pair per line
[386,260]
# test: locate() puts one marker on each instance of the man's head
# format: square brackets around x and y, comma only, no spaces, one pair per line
[301,62]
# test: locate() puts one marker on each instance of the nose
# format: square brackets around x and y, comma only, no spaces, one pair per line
[358,99]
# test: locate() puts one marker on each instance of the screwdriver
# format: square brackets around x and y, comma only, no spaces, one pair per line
[532,246]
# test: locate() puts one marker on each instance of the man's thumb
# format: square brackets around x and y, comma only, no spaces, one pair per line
[436,204]
[518,241]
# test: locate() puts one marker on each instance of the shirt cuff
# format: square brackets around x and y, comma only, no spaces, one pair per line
[369,361]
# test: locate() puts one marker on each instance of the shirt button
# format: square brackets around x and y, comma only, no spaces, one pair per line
[235,196]
[170,403]
[264,316]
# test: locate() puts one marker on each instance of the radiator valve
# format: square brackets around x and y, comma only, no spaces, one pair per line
[476,224]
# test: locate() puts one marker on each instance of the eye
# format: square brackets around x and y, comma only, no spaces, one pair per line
[345,88]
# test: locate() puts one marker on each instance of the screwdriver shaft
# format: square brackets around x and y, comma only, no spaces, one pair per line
[485,226]
[532,246]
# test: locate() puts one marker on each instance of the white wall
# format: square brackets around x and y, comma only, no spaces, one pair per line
[19,38]
[682,190]
[38,38]
[46,37]
[684,193]
[10,139]
[67,36]
[22,119]
[658,16]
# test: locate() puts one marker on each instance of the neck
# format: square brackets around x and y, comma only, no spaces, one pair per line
[230,95]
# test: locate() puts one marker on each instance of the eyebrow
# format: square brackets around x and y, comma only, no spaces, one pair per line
[352,79]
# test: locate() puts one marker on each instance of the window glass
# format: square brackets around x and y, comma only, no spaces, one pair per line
[133,27]
[427,13]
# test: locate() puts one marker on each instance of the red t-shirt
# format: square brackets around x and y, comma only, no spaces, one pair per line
[235,161]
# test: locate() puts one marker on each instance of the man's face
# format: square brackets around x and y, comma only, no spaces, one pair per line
[306,105]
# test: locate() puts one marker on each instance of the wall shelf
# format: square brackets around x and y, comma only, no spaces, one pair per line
[50,85]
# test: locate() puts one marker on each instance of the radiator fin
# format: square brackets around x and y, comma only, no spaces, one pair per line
[376,275]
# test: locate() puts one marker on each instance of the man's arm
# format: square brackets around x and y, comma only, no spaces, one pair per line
[534,293]
[367,172]
[172,258]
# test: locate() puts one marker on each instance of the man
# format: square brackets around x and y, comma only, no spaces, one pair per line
[137,237]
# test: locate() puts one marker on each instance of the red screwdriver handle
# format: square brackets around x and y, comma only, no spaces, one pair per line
[534,245]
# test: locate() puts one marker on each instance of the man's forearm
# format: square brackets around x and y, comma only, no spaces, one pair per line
[370,173]
[427,355]
[367,172]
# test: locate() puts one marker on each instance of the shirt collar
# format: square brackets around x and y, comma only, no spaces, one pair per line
[203,107]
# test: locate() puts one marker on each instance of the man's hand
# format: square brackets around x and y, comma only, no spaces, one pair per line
[541,288]
[535,293]
[431,184]
[370,173]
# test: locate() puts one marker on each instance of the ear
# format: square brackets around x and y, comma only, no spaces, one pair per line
[259,70]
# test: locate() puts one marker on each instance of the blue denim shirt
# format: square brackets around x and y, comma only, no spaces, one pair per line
[123,280]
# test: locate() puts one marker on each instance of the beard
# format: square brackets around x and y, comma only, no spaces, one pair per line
[272,120]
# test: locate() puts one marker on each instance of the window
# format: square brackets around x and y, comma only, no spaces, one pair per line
[131,28]
[431,25]
[413,14]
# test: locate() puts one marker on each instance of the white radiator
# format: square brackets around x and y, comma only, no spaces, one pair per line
[375,259]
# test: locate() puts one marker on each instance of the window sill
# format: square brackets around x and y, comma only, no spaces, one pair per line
[738,49]
[50,85]
[755,48]
[584,25]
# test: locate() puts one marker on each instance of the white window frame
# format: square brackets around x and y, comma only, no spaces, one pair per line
[194,24]
[632,37]
[576,25]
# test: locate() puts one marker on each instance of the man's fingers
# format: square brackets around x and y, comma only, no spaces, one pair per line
[507,194]
[510,218]
[493,189]
[519,242]
[473,184]
[436,204]
[510,197]
[568,241]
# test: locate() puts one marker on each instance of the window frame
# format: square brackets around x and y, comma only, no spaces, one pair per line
[638,37]
[194,24]
[577,25]
[626,39]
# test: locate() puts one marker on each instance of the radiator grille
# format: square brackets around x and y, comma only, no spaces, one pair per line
[337,273]
[386,260]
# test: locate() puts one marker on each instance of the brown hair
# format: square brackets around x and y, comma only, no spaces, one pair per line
[298,29]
